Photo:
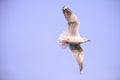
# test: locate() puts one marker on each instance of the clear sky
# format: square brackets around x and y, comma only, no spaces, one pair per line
[29,31]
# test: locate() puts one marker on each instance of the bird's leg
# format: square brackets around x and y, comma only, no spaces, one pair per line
[64,44]
[65,40]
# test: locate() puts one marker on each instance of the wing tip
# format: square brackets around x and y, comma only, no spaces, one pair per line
[64,7]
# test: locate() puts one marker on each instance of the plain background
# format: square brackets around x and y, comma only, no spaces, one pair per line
[29,48]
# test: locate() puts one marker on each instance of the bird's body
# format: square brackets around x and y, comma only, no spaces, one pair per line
[72,38]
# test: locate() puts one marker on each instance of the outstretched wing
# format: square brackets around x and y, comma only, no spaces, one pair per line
[73,22]
[78,53]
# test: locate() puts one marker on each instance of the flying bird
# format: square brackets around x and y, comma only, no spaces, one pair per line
[71,37]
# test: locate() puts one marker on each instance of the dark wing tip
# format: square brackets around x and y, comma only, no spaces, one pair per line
[66,9]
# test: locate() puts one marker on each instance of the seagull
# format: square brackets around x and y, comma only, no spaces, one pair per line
[71,37]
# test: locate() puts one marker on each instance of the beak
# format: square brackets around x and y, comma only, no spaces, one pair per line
[89,41]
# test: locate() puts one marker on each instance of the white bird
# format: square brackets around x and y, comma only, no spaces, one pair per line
[72,38]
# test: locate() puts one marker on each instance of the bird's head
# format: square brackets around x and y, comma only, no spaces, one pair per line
[86,40]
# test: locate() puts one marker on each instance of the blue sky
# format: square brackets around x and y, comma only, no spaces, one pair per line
[29,31]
